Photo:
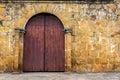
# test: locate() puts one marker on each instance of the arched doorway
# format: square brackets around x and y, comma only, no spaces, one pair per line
[44,44]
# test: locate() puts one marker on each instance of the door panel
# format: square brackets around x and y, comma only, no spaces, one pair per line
[54,44]
[34,45]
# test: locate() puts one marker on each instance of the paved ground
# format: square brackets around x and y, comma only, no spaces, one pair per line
[60,76]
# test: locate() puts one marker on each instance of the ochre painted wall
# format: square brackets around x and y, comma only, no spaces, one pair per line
[92,46]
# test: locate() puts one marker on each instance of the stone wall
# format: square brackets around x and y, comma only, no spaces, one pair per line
[93,45]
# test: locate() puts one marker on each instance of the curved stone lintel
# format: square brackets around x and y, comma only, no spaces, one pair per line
[22,30]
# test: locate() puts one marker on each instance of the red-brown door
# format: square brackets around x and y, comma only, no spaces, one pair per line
[44,44]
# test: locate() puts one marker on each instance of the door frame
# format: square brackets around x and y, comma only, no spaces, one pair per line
[19,36]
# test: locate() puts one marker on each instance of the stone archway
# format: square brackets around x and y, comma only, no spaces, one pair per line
[19,40]
[44,48]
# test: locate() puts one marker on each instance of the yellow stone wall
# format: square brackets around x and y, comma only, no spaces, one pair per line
[93,45]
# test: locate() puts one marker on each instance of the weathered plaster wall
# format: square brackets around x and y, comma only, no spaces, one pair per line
[91,47]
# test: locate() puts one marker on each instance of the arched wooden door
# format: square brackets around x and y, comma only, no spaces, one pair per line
[44,44]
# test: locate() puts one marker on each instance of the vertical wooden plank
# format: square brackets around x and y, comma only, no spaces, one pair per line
[54,44]
[33,57]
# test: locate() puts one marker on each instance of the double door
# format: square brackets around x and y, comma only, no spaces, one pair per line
[44,44]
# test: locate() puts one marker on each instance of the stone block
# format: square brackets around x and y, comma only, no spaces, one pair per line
[2,68]
[104,40]
[104,48]
[103,23]
[2,5]
[97,60]
[82,46]
[12,25]
[24,10]
[80,60]
[117,66]
[68,46]
[76,51]
[90,46]
[2,11]
[92,29]
[6,29]
[3,39]
[118,1]
[9,63]
[29,14]
[98,22]
[16,51]
[77,39]
[73,60]
[89,67]
[85,53]
[101,28]
[114,29]
[83,23]
[105,68]
[117,23]
[7,18]
[98,6]
[1,17]
[68,62]
[6,51]
[75,68]
[92,6]
[104,34]
[90,60]
[104,60]
[118,40]
[97,46]
[1,29]
[88,33]
[6,23]
[12,12]
[29,7]
[84,40]
[112,6]
[97,68]
[85,17]
[68,68]
[68,53]
[111,60]
[93,53]
[75,30]
[3,58]
[9,67]
[109,55]
[15,61]
[82,68]
[91,24]
[117,69]
[111,67]
[117,60]
[115,54]
[22,21]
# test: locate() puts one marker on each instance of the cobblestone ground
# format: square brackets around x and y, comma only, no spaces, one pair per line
[60,76]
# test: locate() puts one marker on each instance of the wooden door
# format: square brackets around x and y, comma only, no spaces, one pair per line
[44,44]
[54,44]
